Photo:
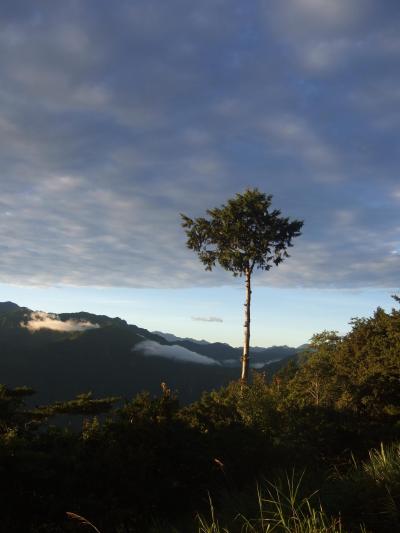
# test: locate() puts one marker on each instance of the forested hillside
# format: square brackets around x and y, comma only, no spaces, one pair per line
[320,441]
[70,353]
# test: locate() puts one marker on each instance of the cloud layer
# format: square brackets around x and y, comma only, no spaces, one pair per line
[41,320]
[176,353]
[115,118]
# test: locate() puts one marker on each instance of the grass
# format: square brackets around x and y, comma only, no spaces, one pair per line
[381,472]
[383,466]
[281,510]
[82,520]
[369,492]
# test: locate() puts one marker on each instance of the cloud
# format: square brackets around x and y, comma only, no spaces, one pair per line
[207,319]
[293,134]
[310,18]
[177,353]
[116,119]
[41,320]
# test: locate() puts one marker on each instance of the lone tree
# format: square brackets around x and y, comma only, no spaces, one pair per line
[242,235]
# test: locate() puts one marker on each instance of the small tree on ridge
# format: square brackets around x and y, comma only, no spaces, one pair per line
[242,235]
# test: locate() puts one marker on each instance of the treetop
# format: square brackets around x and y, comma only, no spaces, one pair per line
[243,234]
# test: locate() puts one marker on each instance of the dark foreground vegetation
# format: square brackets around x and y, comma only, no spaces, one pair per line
[314,450]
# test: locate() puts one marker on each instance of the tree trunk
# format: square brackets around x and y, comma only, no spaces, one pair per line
[246,343]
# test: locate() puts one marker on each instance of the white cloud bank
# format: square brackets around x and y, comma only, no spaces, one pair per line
[177,353]
[41,320]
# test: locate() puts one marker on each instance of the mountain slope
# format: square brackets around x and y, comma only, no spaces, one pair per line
[66,354]
[6,307]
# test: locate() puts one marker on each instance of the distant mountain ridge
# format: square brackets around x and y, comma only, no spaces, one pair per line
[223,351]
[170,337]
[64,354]
[174,338]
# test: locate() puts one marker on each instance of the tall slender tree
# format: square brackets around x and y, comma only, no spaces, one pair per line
[243,235]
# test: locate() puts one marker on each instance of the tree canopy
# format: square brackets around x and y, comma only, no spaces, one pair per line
[243,234]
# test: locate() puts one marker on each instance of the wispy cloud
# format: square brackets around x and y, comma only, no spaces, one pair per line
[207,319]
[41,320]
[177,353]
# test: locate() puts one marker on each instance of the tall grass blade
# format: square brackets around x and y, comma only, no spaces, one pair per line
[82,520]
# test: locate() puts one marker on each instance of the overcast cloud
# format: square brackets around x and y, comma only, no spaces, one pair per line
[116,116]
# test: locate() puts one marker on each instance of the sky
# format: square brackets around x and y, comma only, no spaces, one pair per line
[117,116]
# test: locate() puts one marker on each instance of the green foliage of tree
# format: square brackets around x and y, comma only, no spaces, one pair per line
[83,404]
[368,363]
[242,235]
[314,382]
[359,372]
[14,415]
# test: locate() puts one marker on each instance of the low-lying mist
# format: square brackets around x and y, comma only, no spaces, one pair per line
[41,320]
[179,353]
